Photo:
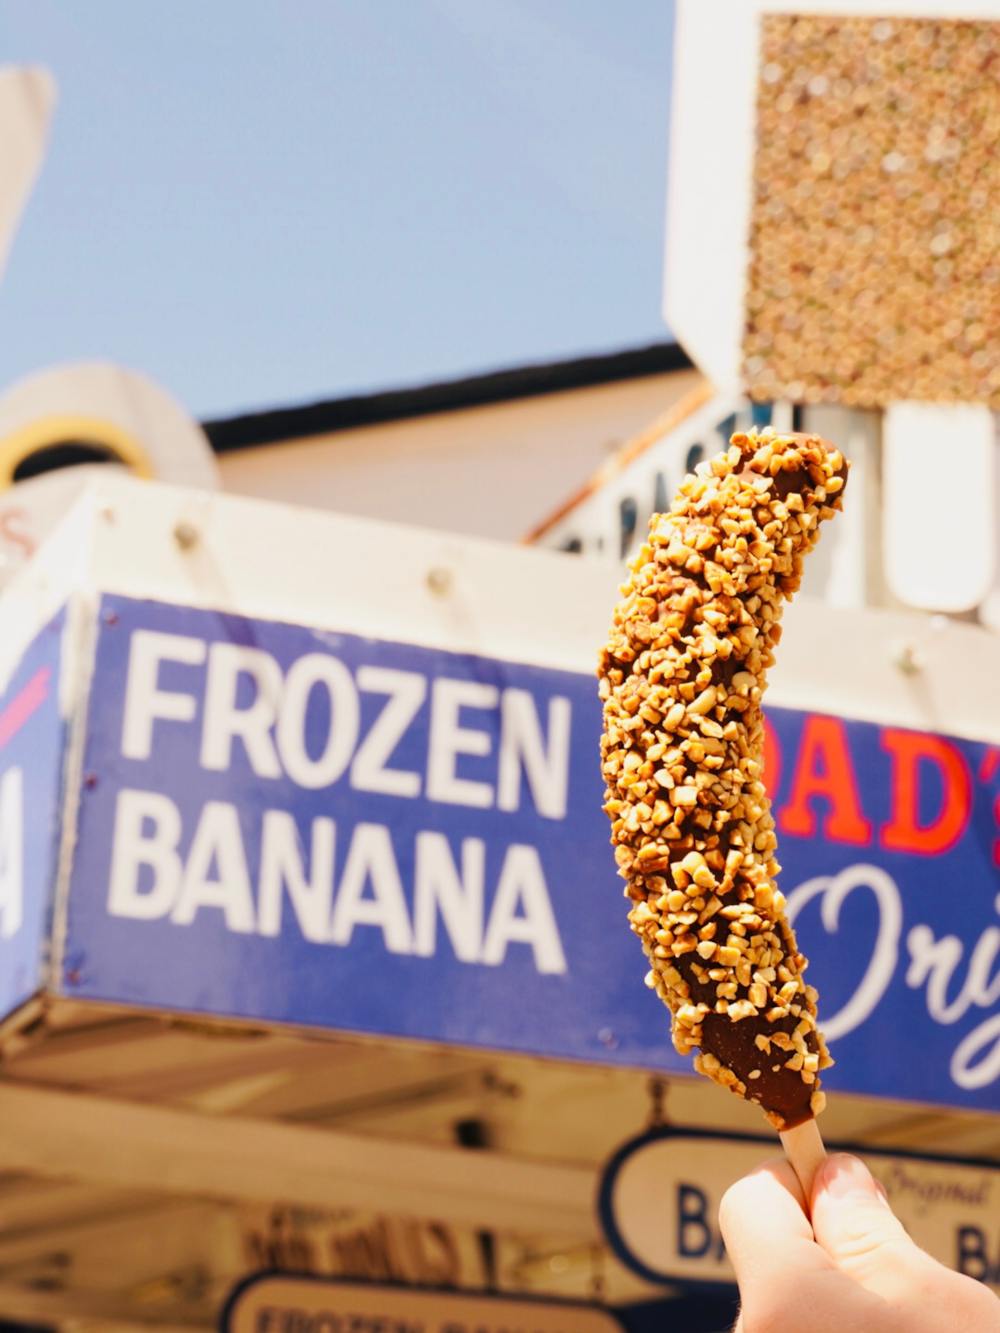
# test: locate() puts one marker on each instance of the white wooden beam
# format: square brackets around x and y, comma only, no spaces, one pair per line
[76,1136]
[939,523]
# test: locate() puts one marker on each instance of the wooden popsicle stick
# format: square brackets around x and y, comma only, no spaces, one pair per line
[804,1149]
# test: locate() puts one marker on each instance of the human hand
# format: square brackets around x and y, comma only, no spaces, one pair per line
[852,1270]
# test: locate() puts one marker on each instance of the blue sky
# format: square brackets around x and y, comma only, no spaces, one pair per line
[263,203]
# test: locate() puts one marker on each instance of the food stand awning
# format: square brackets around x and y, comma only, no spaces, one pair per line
[331,774]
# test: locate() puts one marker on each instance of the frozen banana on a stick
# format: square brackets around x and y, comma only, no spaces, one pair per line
[682,677]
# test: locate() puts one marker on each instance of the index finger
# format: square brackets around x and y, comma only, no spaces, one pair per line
[786,1280]
[765,1227]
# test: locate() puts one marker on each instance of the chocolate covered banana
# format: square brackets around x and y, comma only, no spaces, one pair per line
[682,677]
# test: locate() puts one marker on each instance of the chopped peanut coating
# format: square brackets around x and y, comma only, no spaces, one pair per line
[682,677]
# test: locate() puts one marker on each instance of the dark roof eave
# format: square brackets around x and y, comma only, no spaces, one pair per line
[296,423]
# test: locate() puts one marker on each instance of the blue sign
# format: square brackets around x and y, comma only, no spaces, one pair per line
[31,756]
[321,829]
[890,847]
[296,826]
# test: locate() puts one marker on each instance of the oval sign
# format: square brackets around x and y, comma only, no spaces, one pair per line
[294,1303]
[659,1201]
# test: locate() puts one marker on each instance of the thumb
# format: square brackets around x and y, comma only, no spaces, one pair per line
[854,1224]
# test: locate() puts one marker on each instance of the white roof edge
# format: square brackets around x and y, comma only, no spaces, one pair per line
[277,562]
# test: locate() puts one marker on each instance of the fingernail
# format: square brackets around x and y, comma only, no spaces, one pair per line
[845,1177]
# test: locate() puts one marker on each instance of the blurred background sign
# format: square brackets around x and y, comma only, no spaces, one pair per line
[660,1196]
[272,1303]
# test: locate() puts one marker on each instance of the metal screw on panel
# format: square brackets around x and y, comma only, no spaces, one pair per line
[908,659]
[186,535]
[607,1038]
[439,581]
